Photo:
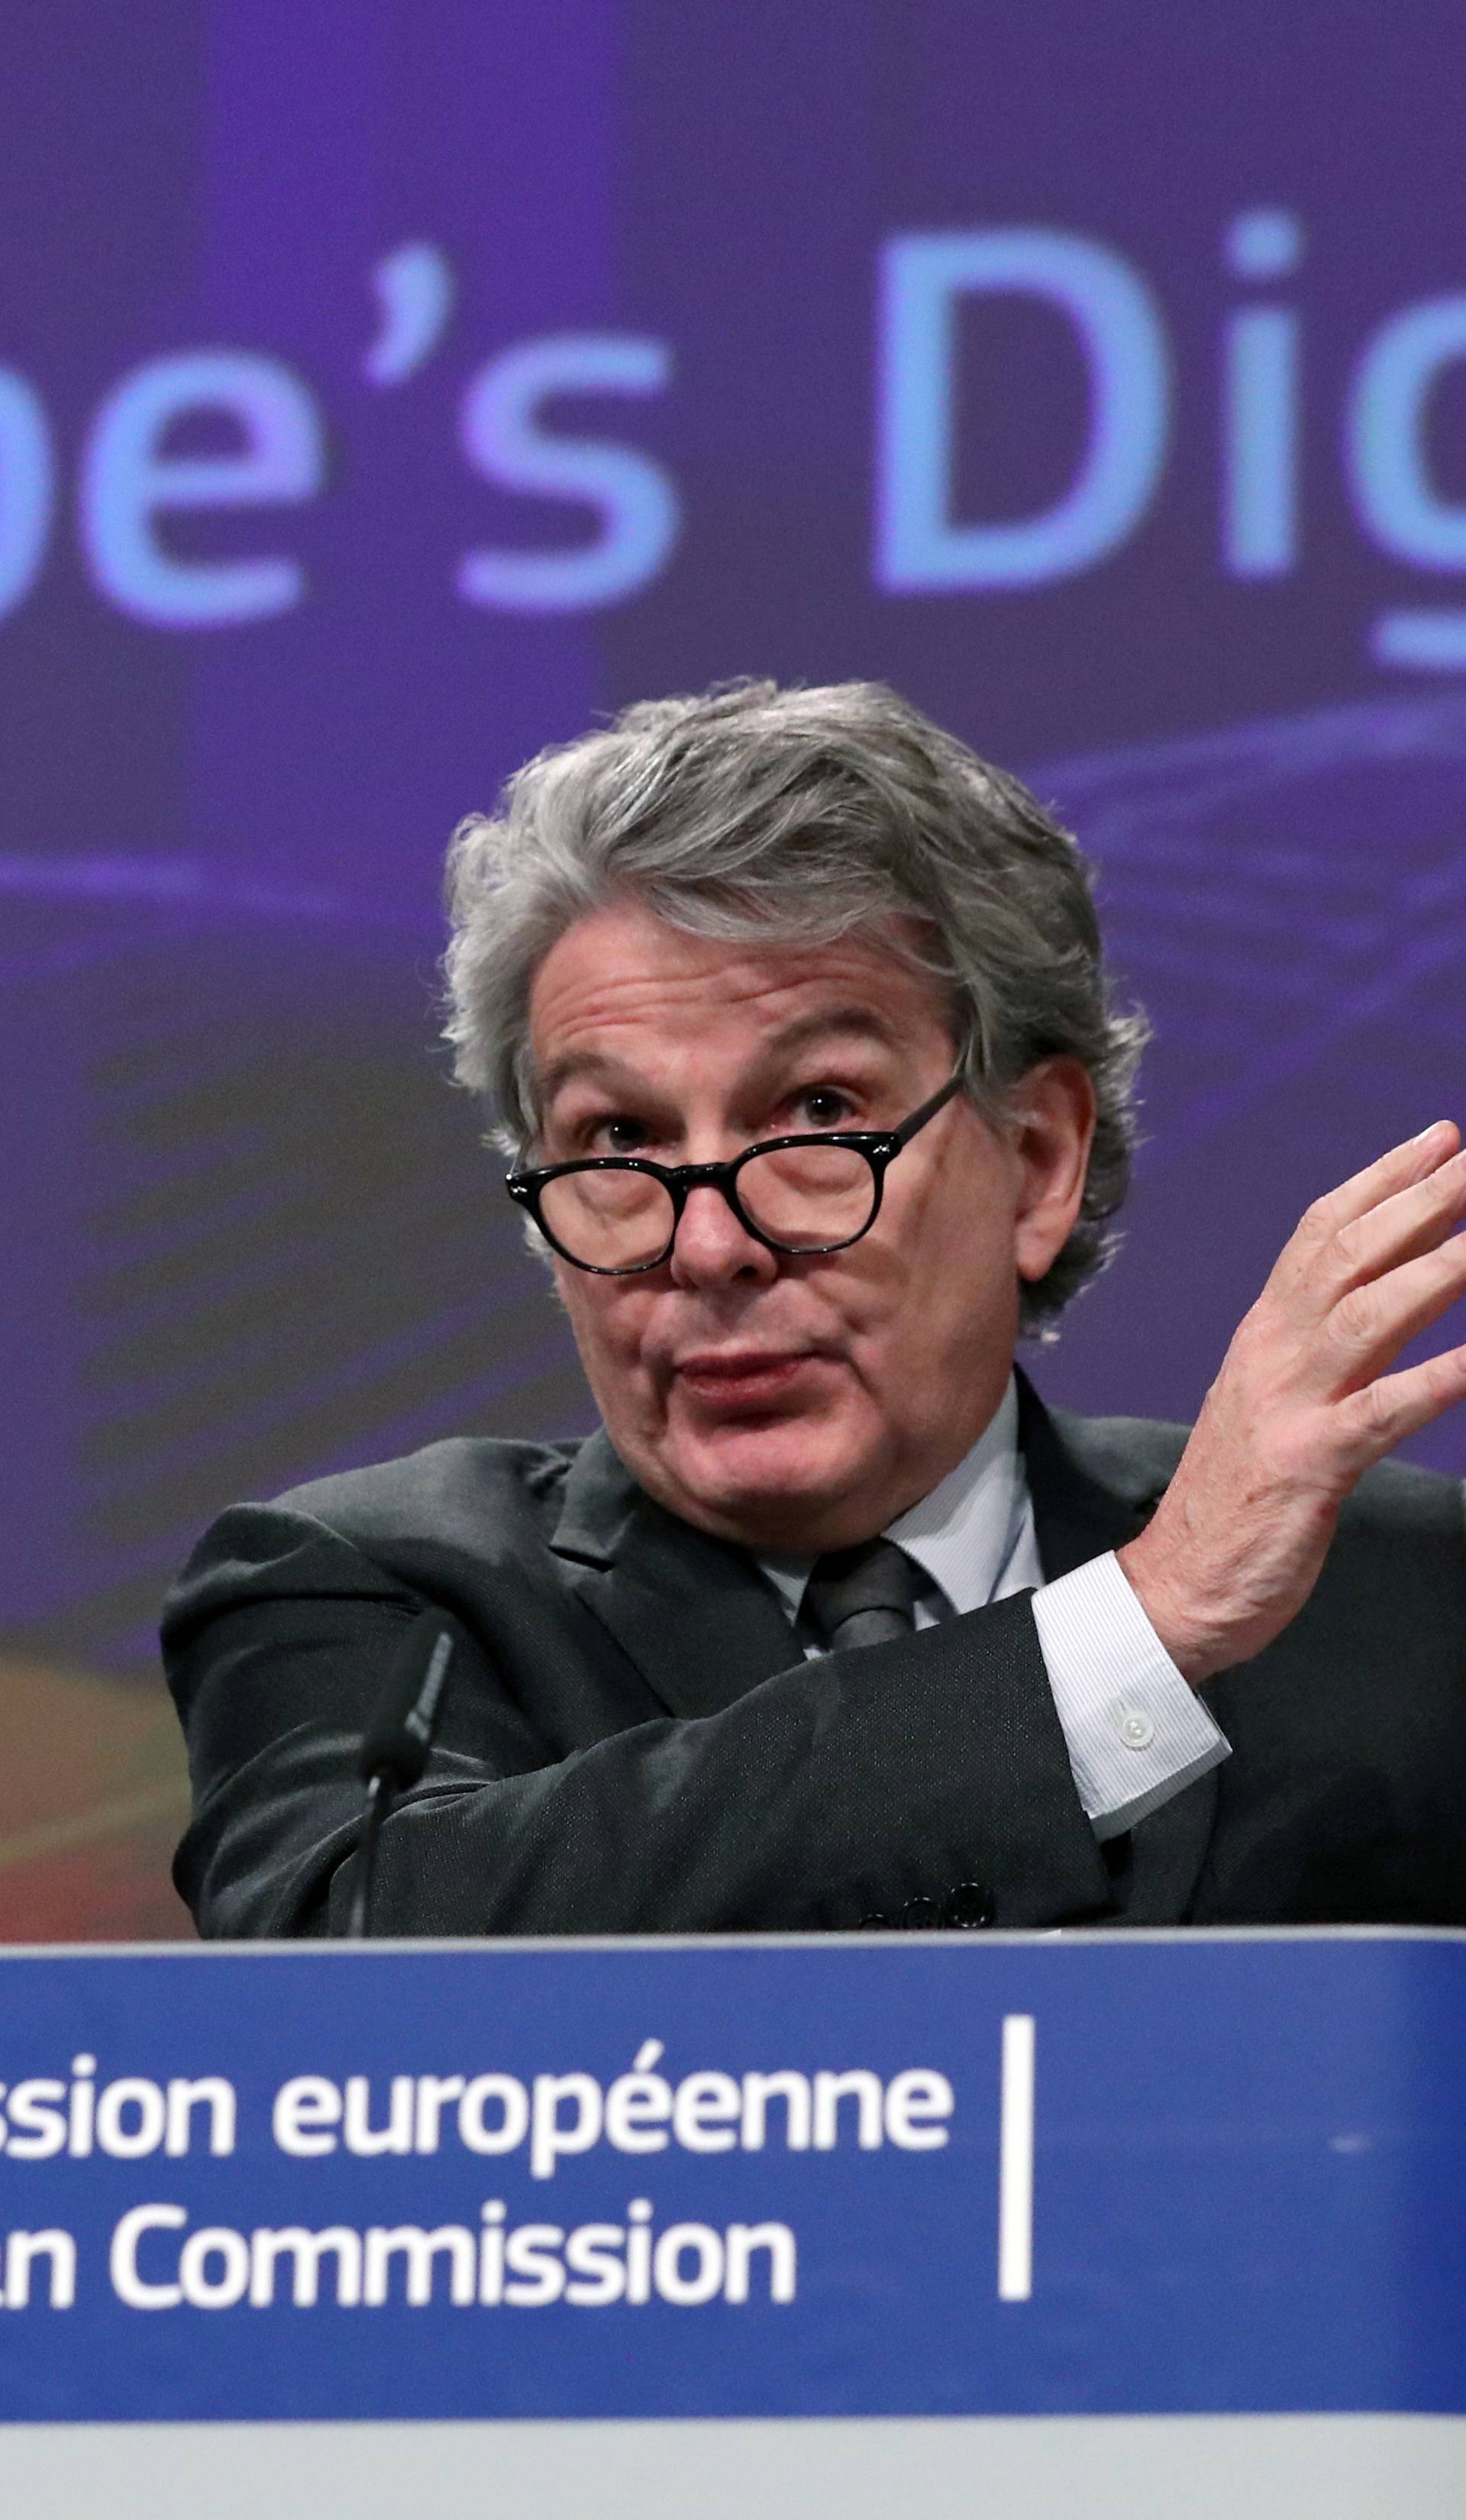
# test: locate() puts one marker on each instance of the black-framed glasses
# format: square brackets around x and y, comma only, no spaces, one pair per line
[616,1215]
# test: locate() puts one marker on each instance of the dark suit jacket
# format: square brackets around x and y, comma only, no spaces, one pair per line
[631,1742]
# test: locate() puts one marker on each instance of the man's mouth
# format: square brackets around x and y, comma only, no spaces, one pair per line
[743,1381]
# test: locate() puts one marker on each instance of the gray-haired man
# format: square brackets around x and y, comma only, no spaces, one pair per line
[795,1017]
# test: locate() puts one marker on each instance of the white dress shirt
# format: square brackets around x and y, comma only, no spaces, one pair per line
[1137,1732]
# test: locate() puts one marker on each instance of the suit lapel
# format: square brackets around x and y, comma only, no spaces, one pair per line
[1095,1486]
[694,1615]
[1082,1508]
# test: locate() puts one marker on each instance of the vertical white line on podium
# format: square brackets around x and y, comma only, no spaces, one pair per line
[1015,2161]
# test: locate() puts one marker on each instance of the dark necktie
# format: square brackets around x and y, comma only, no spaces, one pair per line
[862,1597]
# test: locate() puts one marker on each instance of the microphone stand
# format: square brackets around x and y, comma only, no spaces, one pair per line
[398,1739]
[380,1800]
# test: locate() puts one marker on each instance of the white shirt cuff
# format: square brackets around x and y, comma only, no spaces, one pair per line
[1136,1729]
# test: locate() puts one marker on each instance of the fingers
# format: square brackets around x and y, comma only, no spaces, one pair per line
[1383,1413]
[1414,1159]
[1405,1202]
[1368,1329]
[1400,1228]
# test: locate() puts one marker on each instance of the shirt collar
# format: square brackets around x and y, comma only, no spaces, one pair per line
[962,1535]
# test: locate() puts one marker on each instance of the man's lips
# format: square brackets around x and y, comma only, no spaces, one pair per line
[734,1382]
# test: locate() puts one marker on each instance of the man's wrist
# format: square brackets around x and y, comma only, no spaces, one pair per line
[1191,1642]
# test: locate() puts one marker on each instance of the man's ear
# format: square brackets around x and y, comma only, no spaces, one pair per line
[1052,1128]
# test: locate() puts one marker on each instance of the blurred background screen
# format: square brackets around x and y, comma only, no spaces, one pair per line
[386,390]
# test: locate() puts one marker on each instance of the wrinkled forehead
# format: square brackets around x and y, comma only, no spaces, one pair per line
[622,983]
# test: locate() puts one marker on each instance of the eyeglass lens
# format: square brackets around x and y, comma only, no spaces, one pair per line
[802,1197]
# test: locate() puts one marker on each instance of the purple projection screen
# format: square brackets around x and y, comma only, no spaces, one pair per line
[385,390]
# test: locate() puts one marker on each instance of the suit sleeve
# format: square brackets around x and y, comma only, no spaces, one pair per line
[829,1794]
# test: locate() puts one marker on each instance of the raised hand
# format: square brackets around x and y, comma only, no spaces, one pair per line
[1305,1403]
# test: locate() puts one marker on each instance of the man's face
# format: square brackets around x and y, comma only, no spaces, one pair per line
[795,1403]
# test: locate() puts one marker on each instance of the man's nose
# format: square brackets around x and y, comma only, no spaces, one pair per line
[713,1248]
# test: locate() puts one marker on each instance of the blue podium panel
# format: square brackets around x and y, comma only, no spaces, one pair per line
[889,2178]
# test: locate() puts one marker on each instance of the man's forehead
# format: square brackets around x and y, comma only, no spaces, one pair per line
[785,1041]
[618,980]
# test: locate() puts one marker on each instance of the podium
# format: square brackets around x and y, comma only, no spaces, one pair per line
[924,2224]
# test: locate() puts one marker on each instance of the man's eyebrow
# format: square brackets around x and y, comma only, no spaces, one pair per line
[830,1023]
[827,1023]
[600,1064]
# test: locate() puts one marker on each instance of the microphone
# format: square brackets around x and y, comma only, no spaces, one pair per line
[394,1750]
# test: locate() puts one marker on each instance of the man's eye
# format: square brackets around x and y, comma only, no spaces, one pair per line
[823,1106]
[618,1137]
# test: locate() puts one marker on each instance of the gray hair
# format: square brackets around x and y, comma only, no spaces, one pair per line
[747,812]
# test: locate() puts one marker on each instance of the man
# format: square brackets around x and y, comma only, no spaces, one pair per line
[795,1017]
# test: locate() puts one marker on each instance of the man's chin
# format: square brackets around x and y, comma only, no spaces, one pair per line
[771,1484]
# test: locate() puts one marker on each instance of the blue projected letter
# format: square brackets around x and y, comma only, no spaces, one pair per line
[1396,374]
[26,487]
[1260,441]
[502,438]
[127,480]
[918,544]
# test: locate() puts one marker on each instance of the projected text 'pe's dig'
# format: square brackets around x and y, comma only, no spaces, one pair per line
[141,472]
